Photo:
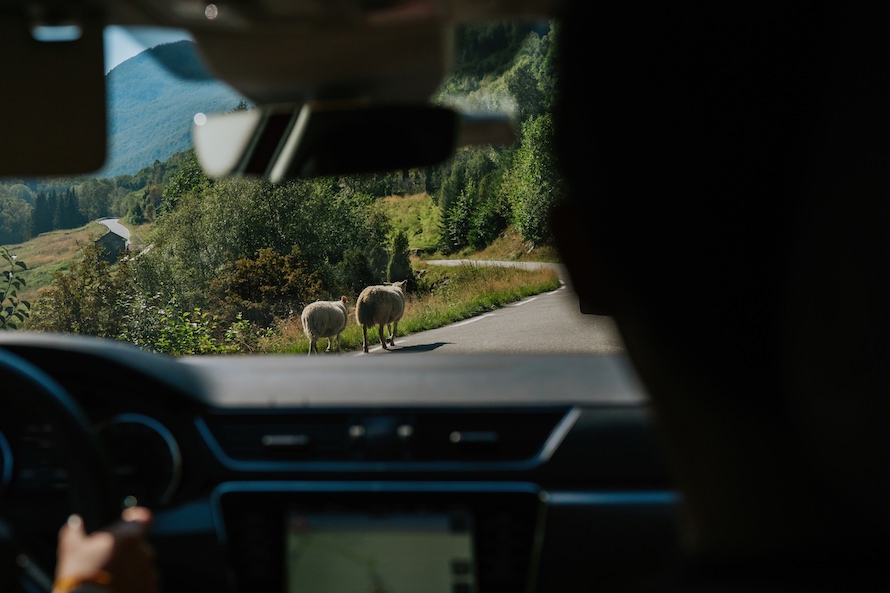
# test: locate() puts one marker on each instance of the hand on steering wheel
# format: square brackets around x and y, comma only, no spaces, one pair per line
[117,556]
[28,389]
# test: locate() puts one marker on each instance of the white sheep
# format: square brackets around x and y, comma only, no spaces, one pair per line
[324,319]
[381,305]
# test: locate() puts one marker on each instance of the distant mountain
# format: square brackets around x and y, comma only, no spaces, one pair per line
[151,109]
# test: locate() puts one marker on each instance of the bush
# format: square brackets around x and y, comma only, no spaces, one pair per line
[93,298]
[164,327]
[264,287]
[356,272]
[13,311]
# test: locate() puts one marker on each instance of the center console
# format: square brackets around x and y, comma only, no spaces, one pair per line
[431,537]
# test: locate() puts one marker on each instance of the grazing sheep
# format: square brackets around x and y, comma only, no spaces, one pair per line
[324,319]
[381,305]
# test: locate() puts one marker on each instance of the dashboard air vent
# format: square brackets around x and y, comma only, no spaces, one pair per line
[437,435]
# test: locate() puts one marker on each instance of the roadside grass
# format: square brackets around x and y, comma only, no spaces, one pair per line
[510,246]
[444,295]
[140,234]
[51,252]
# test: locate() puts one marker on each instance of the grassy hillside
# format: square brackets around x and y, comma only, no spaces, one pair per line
[418,216]
[509,246]
[51,252]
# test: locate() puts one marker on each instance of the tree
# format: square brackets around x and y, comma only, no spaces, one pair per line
[455,222]
[95,197]
[399,267]
[534,185]
[356,271]
[189,180]
[233,219]
[15,220]
[135,214]
[92,298]
[67,213]
[489,218]
[525,89]
[42,214]
[264,287]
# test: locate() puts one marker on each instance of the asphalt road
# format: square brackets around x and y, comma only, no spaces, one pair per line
[549,322]
[116,227]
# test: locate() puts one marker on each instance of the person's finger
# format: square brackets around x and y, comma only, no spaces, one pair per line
[75,522]
[72,530]
[137,514]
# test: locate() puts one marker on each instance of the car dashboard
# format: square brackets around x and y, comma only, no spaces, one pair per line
[285,473]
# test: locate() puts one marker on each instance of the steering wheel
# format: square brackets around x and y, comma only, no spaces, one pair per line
[29,389]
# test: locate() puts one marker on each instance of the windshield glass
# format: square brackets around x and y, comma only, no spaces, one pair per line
[151,251]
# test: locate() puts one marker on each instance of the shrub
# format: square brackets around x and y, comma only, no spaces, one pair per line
[13,311]
[92,298]
[266,286]
[356,271]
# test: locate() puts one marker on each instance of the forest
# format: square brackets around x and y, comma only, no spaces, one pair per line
[243,252]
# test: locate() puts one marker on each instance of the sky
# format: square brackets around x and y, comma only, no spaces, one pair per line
[122,44]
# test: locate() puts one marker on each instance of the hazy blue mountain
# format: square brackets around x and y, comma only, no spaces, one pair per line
[151,109]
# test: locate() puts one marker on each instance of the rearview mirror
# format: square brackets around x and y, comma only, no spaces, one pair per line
[318,139]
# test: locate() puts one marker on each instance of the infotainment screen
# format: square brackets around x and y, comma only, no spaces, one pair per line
[380,553]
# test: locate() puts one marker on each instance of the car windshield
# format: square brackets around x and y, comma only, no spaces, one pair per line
[152,251]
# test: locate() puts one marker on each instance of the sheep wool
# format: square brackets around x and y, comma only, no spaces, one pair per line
[324,319]
[381,305]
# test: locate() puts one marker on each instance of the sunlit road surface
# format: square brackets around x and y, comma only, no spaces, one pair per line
[116,227]
[549,322]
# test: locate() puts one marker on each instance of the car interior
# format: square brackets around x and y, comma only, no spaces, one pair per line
[726,167]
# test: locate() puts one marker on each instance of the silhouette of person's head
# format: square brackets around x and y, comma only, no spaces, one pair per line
[728,170]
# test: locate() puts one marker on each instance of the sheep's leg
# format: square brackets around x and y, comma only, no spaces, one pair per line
[380,333]
[338,342]
[328,349]
[312,348]
[393,329]
[365,338]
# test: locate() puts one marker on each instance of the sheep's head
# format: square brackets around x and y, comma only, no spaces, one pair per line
[400,284]
[344,300]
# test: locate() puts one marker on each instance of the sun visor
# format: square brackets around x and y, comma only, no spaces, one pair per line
[53,100]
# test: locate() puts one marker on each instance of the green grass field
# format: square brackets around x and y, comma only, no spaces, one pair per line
[51,252]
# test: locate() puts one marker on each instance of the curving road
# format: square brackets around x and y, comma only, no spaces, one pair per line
[116,227]
[549,322]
